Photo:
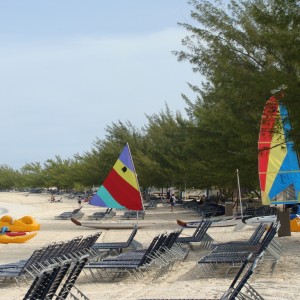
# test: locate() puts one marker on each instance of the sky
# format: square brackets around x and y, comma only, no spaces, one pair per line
[70,68]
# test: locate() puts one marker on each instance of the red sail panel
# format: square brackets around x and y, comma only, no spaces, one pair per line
[123,192]
[267,127]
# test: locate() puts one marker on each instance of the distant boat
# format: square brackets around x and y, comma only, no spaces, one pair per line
[119,190]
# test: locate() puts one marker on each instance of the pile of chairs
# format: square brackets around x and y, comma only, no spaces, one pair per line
[240,288]
[159,256]
[57,280]
[45,256]
[235,253]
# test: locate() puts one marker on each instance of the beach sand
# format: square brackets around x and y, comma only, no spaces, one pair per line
[184,281]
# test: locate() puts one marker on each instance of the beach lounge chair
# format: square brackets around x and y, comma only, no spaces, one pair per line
[60,251]
[76,213]
[168,253]
[69,284]
[48,255]
[234,255]
[19,270]
[47,281]
[41,284]
[198,235]
[131,214]
[130,262]
[253,240]
[152,204]
[19,264]
[109,213]
[116,246]
[240,287]
[160,253]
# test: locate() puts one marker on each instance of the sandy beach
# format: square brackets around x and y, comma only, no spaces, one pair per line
[184,281]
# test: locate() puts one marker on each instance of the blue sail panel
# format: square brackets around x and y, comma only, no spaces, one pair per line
[104,199]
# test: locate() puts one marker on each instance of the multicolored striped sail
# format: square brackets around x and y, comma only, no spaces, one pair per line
[120,189]
[278,163]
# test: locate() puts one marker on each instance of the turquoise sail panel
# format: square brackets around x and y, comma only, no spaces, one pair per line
[105,198]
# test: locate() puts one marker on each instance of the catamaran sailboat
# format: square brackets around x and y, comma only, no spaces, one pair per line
[119,190]
[278,163]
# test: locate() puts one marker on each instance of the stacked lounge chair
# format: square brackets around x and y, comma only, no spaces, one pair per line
[58,281]
[235,254]
[160,254]
[240,288]
[48,255]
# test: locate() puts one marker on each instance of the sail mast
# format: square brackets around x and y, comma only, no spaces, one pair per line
[239,191]
[137,213]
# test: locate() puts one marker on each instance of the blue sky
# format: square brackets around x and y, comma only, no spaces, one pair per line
[68,69]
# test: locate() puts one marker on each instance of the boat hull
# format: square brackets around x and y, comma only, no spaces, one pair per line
[294,223]
[255,221]
[17,239]
[219,223]
[109,225]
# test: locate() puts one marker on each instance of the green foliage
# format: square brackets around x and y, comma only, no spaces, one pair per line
[244,52]
[58,173]
[33,175]
[9,177]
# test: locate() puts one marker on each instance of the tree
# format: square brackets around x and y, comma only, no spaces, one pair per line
[244,52]
[58,173]
[171,159]
[9,178]
[33,175]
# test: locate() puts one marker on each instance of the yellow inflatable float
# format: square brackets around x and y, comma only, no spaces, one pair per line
[24,224]
[295,224]
[8,239]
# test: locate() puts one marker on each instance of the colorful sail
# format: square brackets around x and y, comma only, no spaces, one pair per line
[120,189]
[278,163]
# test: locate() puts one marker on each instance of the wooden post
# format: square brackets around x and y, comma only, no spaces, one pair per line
[285,225]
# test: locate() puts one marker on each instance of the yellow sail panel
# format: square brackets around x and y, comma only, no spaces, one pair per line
[128,176]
